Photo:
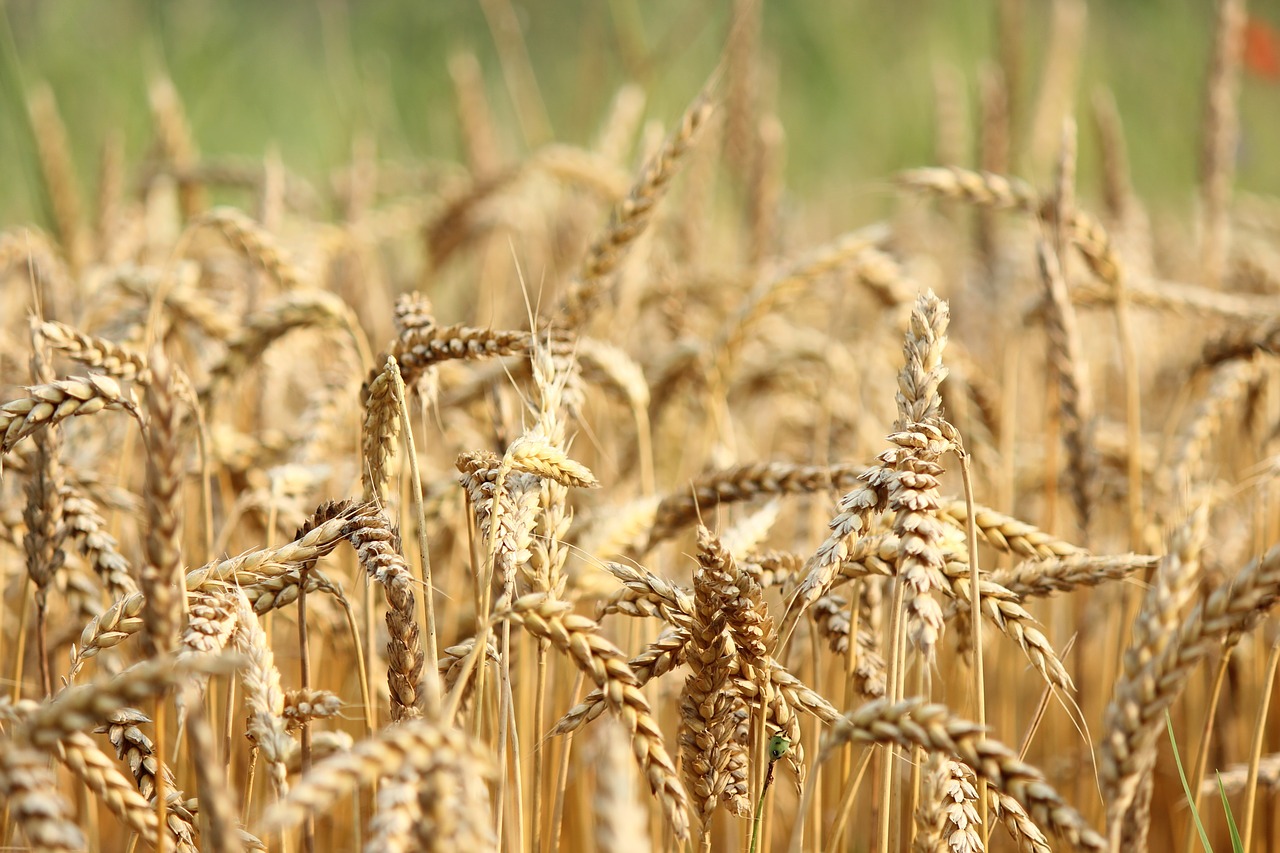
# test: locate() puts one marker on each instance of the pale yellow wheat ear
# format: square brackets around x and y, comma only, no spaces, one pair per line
[543,460]
[604,664]
[935,729]
[632,217]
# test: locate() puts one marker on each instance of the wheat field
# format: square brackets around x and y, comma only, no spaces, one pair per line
[583,500]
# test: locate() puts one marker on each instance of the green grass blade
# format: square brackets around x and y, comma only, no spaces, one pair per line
[1186,789]
[1236,844]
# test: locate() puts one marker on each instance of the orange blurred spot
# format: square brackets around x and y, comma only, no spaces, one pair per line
[1262,49]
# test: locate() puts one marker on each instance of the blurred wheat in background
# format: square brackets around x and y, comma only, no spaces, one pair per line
[538,470]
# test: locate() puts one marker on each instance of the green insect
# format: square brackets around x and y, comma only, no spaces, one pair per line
[778,746]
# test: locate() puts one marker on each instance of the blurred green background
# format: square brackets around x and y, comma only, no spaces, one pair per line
[851,81]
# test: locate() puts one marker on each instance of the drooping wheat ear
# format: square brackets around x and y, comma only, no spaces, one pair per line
[1221,135]
[933,728]
[708,703]
[212,620]
[135,749]
[120,621]
[1004,609]
[831,618]
[683,507]
[253,241]
[1094,243]
[378,434]
[612,368]
[606,666]
[58,176]
[1229,385]
[773,290]
[53,402]
[302,706]
[1192,299]
[30,790]
[795,694]
[377,546]
[276,586]
[982,189]
[645,594]
[118,362]
[578,167]
[183,300]
[774,568]
[253,565]
[631,217]
[1008,534]
[161,573]
[1021,828]
[175,142]
[453,664]
[1074,390]
[264,696]
[414,745]
[457,219]
[660,657]
[1123,757]
[538,457]
[997,192]
[948,820]
[1040,578]
[98,773]
[418,349]
[887,280]
[309,309]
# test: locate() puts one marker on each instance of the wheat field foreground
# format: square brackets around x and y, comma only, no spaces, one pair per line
[589,500]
